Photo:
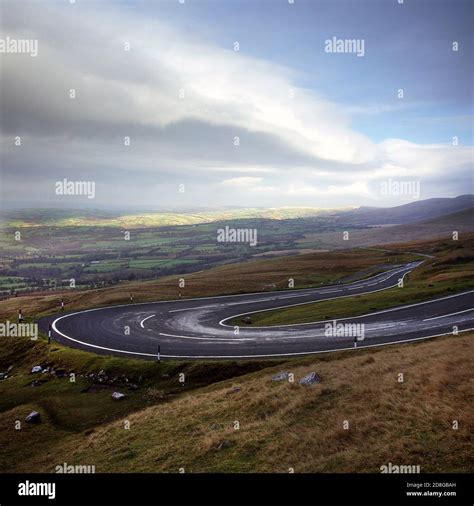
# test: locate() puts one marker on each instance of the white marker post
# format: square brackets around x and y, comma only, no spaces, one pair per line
[49,334]
[20,316]
[159,359]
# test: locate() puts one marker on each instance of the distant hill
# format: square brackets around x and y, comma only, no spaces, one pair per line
[342,217]
[407,213]
[437,228]
[74,217]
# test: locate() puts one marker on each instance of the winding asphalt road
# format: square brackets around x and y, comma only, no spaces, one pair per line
[200,328]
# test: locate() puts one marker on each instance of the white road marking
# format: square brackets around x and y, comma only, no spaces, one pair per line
[446,315]
[194,308]
[145,319]
[223,324]
[209,338]
[247,302]
[360,347]
[54,327]
[338,319]
[300,295]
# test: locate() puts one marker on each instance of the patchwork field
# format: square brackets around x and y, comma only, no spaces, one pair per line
[306,270]
[230,416]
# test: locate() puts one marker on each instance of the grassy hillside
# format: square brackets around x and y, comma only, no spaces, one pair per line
[450,271]
[255,275]
[438,228]
[418,210]
[282,425]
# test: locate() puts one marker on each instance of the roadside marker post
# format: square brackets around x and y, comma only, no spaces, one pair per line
[49,334]
[159,359]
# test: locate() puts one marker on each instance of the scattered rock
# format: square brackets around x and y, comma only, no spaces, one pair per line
[225,444]
[3,375]
[10,369]
[118,396]
[247,319]
[133,386]
[236,389]
[310,379]
[60,373]
[280,376]
[33,417]
[37,383]
[165,376]
[36,368]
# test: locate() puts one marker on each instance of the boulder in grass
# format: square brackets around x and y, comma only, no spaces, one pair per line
[33,417]
[225,444]
[3,375]
[118,396]
[36,368]
[310,379]
[280,376]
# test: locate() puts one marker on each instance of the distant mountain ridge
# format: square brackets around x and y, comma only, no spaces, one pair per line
[408,213]
[411,212]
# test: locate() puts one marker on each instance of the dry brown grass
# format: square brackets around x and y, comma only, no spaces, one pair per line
[285,425]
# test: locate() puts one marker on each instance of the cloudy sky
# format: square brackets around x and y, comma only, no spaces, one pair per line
[236,103]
